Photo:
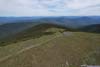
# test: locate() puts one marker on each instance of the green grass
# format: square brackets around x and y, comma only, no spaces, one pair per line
[14,47]
[54,50]
[32,33]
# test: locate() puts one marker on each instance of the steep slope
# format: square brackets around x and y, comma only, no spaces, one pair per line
[30,32]
[91,28]
[13,28]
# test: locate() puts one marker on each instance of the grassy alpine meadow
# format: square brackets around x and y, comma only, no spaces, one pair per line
[51,47]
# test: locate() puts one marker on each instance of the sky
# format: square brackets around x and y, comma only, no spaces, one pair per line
[49,7]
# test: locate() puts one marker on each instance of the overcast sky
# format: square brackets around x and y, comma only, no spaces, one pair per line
[49,7]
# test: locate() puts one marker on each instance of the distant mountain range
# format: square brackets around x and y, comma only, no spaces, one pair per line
[14,25]
[72,22]
[68,21]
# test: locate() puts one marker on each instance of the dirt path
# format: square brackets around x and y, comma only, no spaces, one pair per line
[25,49]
